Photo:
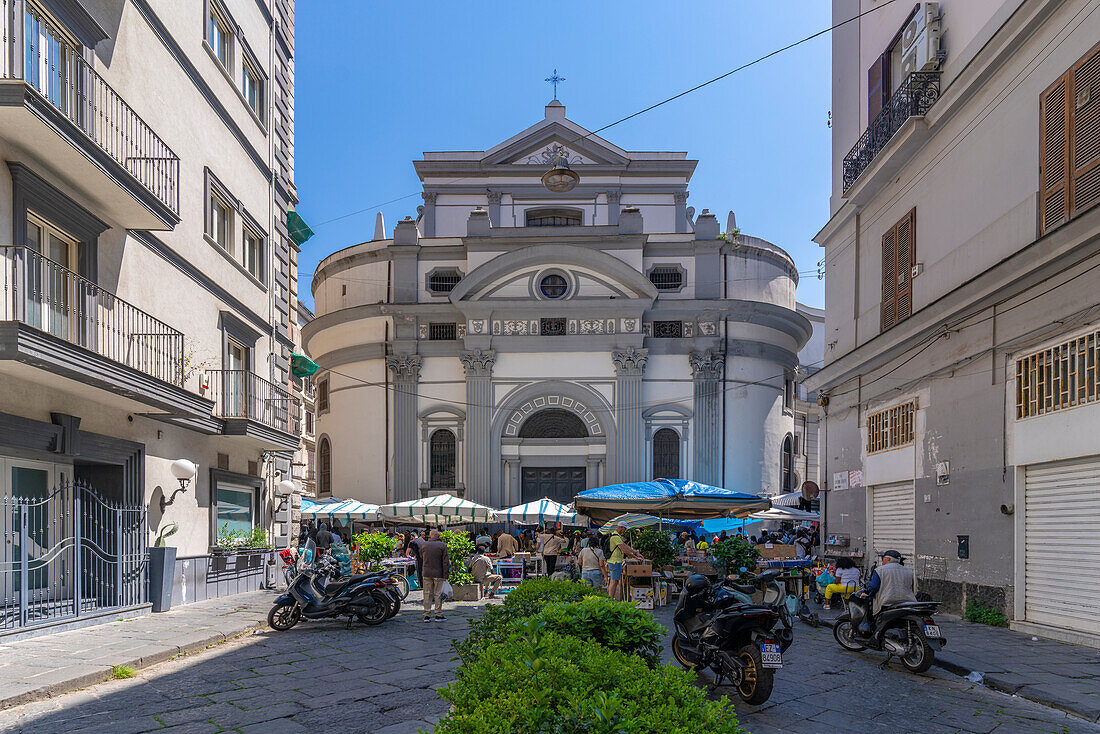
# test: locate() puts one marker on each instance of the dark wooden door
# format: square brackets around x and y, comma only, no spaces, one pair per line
[560,484]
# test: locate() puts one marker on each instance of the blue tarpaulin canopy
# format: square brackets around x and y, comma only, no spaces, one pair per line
[668,498]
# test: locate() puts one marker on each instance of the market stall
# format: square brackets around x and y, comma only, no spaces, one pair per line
[668,499]
[336,509]
[541,512]
[440,509]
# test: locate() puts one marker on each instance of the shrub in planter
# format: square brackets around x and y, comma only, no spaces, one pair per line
[548,683]
[618,625]
[460,547]
[373,547]
[735,553]
[532,595]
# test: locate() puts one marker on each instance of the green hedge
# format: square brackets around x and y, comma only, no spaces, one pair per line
[549,683]
[532,595]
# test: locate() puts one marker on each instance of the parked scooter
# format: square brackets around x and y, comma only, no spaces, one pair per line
[765,589]
[906,630]
[716,629]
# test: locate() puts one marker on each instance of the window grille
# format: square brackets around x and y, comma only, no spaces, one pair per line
[443,281]
[442,449]
[553,423]
[890,428]
[668,329]
[666,278]
[553,286]
[666,454]
[1059,377]
[552,327]
[553,218]
[442,332]
[787,461]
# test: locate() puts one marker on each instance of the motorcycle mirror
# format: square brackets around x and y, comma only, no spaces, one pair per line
[743,569]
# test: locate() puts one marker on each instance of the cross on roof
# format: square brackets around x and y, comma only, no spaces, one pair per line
[555,80]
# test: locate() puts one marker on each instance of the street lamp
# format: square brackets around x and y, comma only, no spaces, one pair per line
[184,471]
[285,488]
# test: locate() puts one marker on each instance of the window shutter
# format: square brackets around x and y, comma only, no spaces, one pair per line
[877,83]
[889,279]
[1084,138]
[905,238]
[1053,152]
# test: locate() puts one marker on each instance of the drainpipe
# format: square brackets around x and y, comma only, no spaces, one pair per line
[725,360]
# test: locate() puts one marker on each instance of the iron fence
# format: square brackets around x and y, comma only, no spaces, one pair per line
[46,295]
[243,394]
[68,553]
[914,97]
[52,64]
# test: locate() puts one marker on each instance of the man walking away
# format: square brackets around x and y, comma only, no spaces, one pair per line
[507,545]
[619,551]
[482,568]
[435,561]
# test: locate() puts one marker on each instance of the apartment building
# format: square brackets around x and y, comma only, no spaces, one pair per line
[145,266]
[962,264]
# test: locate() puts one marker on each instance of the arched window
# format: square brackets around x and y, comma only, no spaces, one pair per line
[553,218]
[324,468]
[787,464]
[441,447]
[666,454]
[553,423]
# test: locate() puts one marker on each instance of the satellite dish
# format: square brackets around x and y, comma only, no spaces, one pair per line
[810,490]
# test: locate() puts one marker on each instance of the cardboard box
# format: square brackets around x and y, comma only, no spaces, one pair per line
[770,551]
[642,596]
[637,569]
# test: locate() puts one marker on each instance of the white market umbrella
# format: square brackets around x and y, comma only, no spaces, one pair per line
[790,499]
[438,509]
[785,513]
[540,512]
[338,509]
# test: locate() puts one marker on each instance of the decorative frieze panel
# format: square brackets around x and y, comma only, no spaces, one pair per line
[478,326]
[560,402]
[630,326]
[708,328]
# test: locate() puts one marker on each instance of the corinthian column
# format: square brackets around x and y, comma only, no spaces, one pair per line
[706,371]
[406,375]
[630,436]
[478,365]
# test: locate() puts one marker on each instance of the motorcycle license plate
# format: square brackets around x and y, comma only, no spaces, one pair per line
[770,655]
[931,630]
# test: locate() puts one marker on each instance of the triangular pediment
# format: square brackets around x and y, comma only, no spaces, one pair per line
[534,147]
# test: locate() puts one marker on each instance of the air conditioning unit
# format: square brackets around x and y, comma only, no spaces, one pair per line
[920,40]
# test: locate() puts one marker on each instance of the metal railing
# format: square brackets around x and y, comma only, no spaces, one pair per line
[52,64]
[914,98]
[243,394]
[46,295]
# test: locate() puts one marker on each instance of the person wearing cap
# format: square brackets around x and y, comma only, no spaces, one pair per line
[619,550]
[481,566]
[891,583]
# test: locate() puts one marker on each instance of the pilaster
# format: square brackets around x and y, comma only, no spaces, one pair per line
[630,437]
[494,207]
[429,213]
[478,365]
[613,200]
[406,376]
[681,198]
[707,367]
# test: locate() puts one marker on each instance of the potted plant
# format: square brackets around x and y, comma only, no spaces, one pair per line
[373,547]
[462,582]
[162,566]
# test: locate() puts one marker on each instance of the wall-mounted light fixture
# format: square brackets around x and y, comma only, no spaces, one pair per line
[184,471]
[285,488]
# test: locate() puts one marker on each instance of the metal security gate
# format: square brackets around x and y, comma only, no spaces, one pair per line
[68,553]
[1062,544]
[892,519]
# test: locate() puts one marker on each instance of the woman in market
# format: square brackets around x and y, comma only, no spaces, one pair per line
[552,544]
[593,565]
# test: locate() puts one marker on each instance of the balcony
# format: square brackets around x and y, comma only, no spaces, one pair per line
[253,407]
[56,109]
[913,99]
[54,319]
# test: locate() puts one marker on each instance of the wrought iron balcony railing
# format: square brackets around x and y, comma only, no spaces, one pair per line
[42,56]
[914,98]
[243,394]
[48,296]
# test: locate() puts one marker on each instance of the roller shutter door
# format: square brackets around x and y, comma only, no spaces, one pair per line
[1062,544]
[892,525]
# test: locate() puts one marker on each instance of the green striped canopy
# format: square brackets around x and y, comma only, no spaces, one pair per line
[443,508]
[541,511]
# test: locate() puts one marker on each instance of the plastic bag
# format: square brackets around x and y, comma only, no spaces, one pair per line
[448,592]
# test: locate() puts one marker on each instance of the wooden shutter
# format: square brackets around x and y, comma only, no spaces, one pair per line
[1084,137]
[1053,155]
[889,279]
[877,85]
[905,239]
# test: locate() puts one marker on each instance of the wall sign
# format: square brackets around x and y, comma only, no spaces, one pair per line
[840,480]
[855,478]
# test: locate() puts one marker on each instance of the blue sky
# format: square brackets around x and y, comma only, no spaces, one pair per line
[379,83]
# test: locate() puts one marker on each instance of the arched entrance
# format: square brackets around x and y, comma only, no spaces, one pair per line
[554,442]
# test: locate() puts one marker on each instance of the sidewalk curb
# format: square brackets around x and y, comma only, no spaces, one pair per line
[87,679]
[1007,686]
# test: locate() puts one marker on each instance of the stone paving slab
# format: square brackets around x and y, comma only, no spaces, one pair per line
[46,666]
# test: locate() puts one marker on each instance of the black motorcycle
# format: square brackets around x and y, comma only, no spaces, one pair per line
[715,629]
[770,592]
[313,593]
[906,630]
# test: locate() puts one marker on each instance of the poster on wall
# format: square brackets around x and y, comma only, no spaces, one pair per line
[840,480]
[855,478]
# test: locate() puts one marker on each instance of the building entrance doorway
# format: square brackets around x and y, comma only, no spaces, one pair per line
[559,483]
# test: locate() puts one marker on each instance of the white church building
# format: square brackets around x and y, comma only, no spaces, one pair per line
[556,318]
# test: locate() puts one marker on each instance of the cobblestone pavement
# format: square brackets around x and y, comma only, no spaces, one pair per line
[382,680]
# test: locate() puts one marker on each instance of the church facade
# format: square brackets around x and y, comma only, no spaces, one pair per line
[531,334]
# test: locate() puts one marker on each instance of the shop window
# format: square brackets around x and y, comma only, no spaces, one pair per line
[236,508]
